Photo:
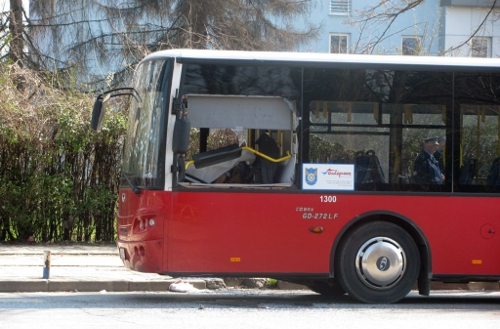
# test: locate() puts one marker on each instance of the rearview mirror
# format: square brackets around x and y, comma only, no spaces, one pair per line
[100,104]
[180,142]
[97,115]
[98,112]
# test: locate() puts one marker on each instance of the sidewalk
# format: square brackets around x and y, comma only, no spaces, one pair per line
[77,267]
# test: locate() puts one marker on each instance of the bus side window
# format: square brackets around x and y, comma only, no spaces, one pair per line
[479,150]
[222,120]
[477,104]
[388,111]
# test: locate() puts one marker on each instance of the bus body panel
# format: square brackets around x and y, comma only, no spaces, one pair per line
[250,232]
[215,228]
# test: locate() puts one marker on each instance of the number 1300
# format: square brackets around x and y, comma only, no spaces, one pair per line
[328,198]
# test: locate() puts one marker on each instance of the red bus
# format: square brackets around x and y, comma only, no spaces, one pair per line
[366,175]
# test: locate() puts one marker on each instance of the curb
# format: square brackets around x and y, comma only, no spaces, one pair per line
[91,286]
[55,253]
[42,285]
[471,286]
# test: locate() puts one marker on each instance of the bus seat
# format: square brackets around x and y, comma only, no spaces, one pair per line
[210,173]
[467,172]
[285,171]
[368,169]
[494,175]
[222,154]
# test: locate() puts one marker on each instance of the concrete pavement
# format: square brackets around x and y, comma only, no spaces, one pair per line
[77,267]
[92,267]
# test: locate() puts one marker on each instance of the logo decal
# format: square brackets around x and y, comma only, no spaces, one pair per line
[311,175]
[123,197]
[383,263]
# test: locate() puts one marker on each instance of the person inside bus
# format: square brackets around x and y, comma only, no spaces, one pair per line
[267,145]
[426,167]
[439,152]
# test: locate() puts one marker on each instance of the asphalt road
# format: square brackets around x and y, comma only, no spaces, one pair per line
[236,308]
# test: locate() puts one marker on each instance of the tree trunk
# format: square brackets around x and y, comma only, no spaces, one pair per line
[16,29]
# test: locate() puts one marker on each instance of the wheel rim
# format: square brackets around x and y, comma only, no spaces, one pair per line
[380,263]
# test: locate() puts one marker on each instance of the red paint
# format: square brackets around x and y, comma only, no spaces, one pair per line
[268,232]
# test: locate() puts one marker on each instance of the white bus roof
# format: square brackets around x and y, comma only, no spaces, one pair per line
[318,59]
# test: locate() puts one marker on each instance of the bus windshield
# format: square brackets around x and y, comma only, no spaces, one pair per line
[142,143]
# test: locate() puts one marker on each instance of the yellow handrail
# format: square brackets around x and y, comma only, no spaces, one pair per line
[286,157]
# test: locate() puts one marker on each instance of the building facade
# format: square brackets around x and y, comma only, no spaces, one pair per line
[400,27]
[472,23]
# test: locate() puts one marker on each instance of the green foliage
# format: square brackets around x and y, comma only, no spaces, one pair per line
[271,283]
[322,150]
[58,179]
[216,139]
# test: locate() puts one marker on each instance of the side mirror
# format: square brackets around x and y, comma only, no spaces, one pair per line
[97,115]
[98,112]
[180,141]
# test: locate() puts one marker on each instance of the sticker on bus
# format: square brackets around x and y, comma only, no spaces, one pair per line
[338,177]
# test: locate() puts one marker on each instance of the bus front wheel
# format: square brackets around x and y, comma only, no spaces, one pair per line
[377,263]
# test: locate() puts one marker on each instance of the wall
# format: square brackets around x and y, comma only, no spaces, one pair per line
[461,22]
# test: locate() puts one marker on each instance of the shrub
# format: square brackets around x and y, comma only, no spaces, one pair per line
[58,179]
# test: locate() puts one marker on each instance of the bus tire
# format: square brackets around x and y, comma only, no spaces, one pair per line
[377,263]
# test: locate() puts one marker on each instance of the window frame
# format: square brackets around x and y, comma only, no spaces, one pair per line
[340,35]
[419,44]
[340,7]
[488,46]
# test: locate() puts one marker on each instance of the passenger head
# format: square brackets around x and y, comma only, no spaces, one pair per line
[431,144]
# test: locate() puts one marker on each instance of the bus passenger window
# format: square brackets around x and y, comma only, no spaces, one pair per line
[477,137]
[244,140]
[479,145]
[377,121]
[347,133]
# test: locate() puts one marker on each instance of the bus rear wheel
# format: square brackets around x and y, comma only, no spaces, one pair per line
[377,263]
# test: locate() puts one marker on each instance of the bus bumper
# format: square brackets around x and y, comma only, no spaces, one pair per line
[143,256]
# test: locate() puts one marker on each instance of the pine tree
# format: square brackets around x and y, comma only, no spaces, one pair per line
[103,35]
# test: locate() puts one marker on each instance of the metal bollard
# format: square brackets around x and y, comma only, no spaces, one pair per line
[46,264]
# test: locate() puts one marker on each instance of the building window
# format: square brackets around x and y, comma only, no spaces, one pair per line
[411,45]
[339,43]
[480,47]
[340,7]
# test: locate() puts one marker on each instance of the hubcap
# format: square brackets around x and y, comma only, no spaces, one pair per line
[380,263]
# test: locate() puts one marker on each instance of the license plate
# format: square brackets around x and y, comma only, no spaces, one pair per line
[122,254]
